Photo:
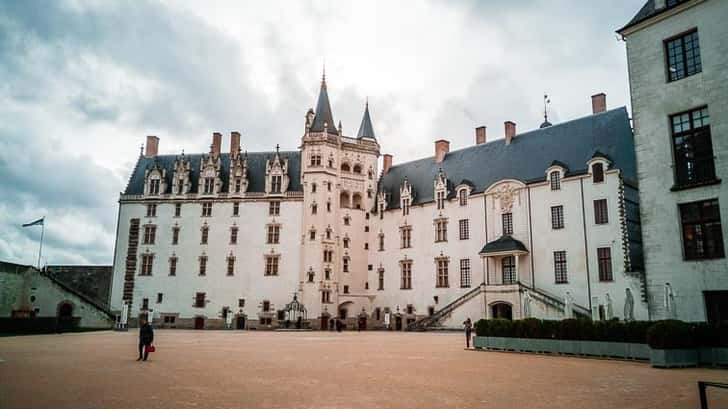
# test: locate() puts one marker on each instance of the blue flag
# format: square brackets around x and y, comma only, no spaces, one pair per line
[35,223]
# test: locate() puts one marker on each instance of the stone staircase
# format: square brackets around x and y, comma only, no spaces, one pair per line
[431,321]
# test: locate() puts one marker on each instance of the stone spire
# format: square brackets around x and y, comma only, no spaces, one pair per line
[365,129]
[324,118]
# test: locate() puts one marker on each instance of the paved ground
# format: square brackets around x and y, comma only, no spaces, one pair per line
[218,369]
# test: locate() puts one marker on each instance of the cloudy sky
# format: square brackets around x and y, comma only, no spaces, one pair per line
[83,82]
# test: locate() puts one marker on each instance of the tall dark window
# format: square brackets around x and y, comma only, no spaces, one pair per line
[442,273]
[683,56]
[508,268]
[604,257]
[177,209]
[560,272]
[701,228]
[276,182]
[274,208]
[555,180]
[507,219]
[464,229]
[200,300]
[597,173]
[692,147]
[557,217]
[175,235]
[406,267]
[601,214]
[203,265]
[464,272]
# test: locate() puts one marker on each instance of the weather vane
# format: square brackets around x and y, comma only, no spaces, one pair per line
[546,101]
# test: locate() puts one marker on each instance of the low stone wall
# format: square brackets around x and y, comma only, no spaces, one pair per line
[620,350]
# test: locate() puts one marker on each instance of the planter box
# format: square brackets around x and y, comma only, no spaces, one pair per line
[622,350]
[713,356]
[673,358]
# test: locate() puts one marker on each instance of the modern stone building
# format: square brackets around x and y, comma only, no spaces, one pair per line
[678,67]
[542,223]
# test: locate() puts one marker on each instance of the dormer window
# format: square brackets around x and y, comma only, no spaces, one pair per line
[463,195]
[405,207]
[238,185]
[154,187]
[598,173]
[440,200]
[180,186]
[555,177]
[276,184]
[209,185]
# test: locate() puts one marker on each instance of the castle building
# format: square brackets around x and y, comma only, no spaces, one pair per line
[541,224]
[677,53]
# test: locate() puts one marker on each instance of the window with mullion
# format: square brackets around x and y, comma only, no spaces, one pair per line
[508,269]
[560,271]
[507,222]
[702,230]
[693,147]
[442,273]
[604,257]
[557,217]
[465,273]
[683,56]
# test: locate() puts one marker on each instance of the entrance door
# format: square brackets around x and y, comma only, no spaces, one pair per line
[199,323]
[324,323]
[398,323]
[65,317]
[502,311]
[240,322]
[716,306]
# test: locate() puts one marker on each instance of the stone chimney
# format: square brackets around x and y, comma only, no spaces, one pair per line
[480,135]
[510,131]
[216,143]
[152,147]
[234,143]
[599,103]
[387,163]
[442,147]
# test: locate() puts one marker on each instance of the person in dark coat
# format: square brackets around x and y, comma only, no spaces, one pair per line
[146,337]
[468,330]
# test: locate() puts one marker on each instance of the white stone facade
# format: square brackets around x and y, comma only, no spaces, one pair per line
[655,98]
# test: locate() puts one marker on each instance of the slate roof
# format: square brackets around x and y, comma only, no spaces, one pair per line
[256,171]
[526,159]
[323,113]
[646,12]
[503,243]
[365,129]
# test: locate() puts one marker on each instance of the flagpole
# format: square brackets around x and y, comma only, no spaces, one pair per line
[40,248]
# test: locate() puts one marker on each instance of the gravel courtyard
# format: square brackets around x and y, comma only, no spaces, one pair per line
[220,369]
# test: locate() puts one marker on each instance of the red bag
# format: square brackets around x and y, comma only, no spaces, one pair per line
[150,348]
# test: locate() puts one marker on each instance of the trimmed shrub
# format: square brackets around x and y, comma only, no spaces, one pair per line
[671,334]
[570,329]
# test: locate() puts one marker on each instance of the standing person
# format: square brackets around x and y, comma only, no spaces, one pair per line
[468,330]
[146,337]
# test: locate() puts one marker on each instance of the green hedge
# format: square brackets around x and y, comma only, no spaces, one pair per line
[660,334]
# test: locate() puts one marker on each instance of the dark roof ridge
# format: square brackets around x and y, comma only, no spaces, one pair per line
[167,155]
[519,135]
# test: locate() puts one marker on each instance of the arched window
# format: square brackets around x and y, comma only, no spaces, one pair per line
[356,201]
[357,168]
[344,200]
[345,167]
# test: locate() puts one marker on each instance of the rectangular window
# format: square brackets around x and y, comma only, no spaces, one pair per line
[604,257]
[173,266]
[152,210]
[406,233]
[464,229]
[180,186]
[177,209]
[601,214]
[154,187]
[405,207]
[274,234]
[346,289]
[150,232]
[597,173]
[203,265]
[205,233]
[160,297]
[507,221]
[326,297]
[209,185]
[175,235]
[406,267]
[328,256]
[236,208]
[381,279]
[683,56]
[442,273]
[463,197]
[145,304]
[555,177]
[274,208]
[557,217]
[345,264]
[230,266]
[241,302]
[701,229]
[276,184]
[207,209]
[692,147]
[233,235]
[465,273]
[560,271]
[271,265]
[147,262]
[440,230]
[200,300]
[266,306]
[508,269]
[381,242]
[440,200]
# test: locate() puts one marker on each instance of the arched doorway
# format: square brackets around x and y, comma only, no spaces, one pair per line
[501,310]
[199,323]
[65,316]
